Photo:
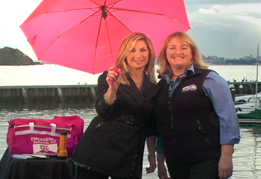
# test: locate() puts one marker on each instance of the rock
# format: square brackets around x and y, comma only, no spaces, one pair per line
[10,56]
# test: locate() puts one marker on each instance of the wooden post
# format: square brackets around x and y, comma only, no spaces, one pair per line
[60,95]
[25,95]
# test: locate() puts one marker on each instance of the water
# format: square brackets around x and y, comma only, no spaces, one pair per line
[43,75]
[246,158]
[58,75]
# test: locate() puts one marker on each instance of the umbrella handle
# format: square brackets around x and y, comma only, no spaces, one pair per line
[112,82]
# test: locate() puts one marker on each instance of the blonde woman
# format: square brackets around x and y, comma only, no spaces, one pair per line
[113,143]
[198,125]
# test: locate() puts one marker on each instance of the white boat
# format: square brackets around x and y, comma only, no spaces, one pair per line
[247,98]
[247,103]
[249,113]
[248,107]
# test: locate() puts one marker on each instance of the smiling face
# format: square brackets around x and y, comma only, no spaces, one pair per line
[179,54]
[138,57]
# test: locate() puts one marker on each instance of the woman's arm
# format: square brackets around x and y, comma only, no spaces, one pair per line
[106,93]
[225,165]
[220,95]
[151,153]
[217,90]
[162,170]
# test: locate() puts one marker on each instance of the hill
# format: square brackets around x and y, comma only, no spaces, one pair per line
[10,56]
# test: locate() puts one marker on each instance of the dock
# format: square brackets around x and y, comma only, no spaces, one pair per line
[52,93]
[241,88]
[249,121]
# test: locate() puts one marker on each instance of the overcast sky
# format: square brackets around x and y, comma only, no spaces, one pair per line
[223,28]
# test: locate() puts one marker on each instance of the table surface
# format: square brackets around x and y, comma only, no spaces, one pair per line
[49,168]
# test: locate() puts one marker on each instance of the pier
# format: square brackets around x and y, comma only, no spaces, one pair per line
[59,93]
[71,93]
[242,88]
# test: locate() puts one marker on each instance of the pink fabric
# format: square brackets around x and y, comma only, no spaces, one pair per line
[74,34]
[41,136]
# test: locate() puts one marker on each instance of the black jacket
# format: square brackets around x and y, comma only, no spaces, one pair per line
[113,143]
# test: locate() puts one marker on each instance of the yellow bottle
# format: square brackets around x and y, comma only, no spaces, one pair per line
[62,152]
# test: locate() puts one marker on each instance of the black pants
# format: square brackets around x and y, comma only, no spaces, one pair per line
[82,173]
[206,169]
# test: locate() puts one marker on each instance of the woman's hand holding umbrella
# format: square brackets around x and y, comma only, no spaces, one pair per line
[113,79]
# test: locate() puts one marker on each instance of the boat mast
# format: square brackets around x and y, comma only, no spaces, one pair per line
[257,59]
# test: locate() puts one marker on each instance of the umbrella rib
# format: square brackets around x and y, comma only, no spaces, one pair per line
[96,43]
[109,39]
[76,9]
[69,30]
[99,30]
[145,12]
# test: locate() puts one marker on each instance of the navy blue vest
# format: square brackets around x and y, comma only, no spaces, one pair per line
[189,125]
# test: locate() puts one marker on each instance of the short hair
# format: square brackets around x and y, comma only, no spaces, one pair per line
[197,60]
[125,48]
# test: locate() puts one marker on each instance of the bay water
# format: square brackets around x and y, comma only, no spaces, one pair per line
[50,74]
[247,155]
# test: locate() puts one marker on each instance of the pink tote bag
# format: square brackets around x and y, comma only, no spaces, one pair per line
[41,136]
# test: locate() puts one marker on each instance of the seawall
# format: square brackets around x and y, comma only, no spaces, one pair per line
[71,93]
[59,93]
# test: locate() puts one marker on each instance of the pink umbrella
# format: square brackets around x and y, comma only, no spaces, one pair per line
[86,34]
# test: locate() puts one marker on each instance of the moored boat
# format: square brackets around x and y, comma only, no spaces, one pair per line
[247,98]
[250,112]
[253,117]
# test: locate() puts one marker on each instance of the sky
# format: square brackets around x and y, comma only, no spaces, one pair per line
[222,28]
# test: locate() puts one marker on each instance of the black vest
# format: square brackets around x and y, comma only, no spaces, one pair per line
[189,125]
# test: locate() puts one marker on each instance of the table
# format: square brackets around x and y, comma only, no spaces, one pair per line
[50,168]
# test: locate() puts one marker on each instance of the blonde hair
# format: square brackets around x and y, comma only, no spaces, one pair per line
[125,48]
[197,59]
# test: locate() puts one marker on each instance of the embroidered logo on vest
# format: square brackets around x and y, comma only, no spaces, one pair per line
[189,88]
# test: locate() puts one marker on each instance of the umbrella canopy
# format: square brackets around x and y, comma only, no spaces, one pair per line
[86,34]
